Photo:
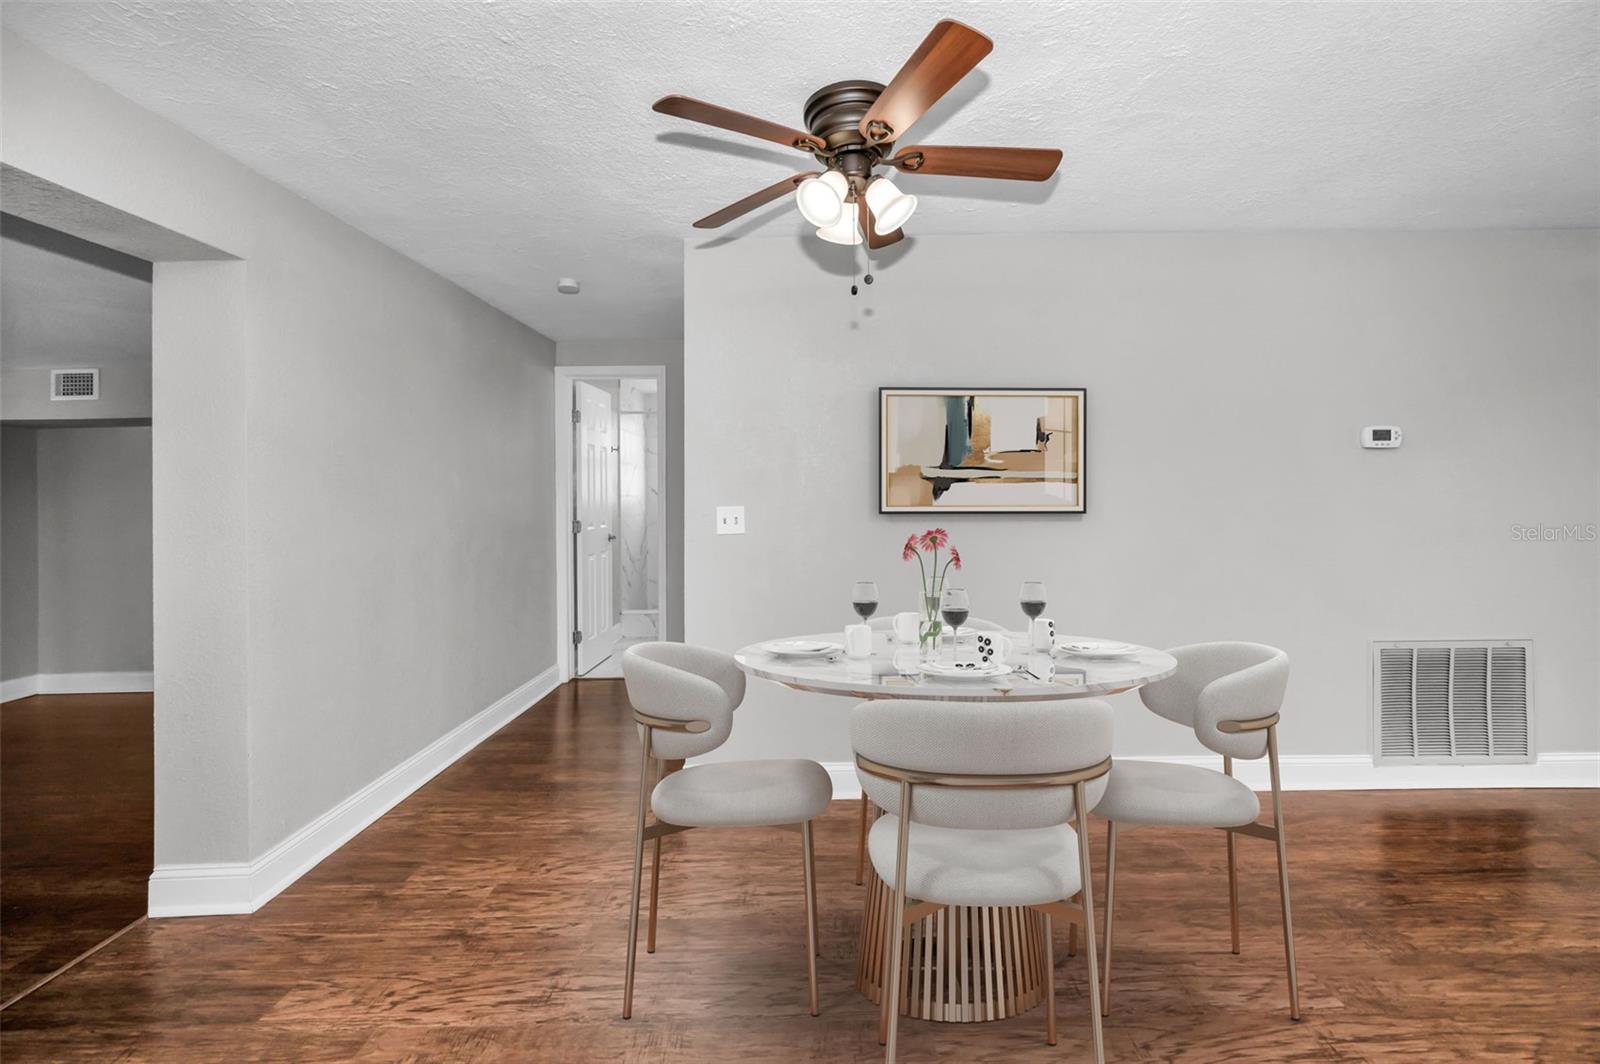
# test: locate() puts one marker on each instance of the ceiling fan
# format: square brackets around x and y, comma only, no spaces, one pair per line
[853,127]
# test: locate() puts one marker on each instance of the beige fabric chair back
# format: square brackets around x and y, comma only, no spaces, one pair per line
[983,739]
[682,682]
[1218,682]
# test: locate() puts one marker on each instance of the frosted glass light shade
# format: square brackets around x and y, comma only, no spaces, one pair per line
[847,230]
[821,199]
[891,208]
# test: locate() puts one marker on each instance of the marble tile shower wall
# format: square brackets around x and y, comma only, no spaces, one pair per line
[640,502]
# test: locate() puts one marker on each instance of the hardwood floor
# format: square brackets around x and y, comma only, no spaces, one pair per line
[484,919]
[76,845]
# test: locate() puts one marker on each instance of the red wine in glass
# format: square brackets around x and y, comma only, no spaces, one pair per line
[864,598]
[1031,598]
[953,607]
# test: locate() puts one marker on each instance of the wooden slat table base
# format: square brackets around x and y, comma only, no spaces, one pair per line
[966,964]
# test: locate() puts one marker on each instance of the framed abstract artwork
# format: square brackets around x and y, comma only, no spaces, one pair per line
[981,450]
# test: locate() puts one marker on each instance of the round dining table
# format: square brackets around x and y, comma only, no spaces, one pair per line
[965,963]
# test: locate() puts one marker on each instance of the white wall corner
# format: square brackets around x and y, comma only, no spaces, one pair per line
[1356,772]
[224,889]
[76,683]
[200,890]
[18,687]
[846,784]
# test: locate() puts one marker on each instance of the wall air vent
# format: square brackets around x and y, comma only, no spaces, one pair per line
[1452,702]
[74,384]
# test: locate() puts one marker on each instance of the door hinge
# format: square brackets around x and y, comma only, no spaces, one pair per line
[577,637]
[577,526]
[577,415]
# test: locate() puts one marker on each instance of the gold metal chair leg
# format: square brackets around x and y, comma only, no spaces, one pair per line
[655,890]
[1049,981]
[816,925]
[1072,931]
[861,844]
[1080,803]
[1111,903]
[811,914]
[1283,873]
[1233,869]
[667,768]
[897,933]
[638,872]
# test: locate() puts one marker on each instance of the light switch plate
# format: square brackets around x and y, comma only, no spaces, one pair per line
[730,520]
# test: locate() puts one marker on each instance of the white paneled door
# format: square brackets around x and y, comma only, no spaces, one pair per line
[595,530]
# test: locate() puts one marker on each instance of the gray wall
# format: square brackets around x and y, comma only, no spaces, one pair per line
[68,303]
[19,552]
[76,547]
[124,394]
[1228,379]
[94,550]
[668,353]
[352,543]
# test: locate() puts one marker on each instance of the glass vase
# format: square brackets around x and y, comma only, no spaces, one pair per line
[929,630]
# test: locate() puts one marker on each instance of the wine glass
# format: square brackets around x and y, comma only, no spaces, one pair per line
[1031,598]
[864,598]
[953,607]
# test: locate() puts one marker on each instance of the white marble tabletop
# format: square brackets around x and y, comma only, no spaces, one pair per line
[893,672]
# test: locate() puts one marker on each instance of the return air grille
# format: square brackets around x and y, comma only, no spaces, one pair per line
[74,384]
[1451,703]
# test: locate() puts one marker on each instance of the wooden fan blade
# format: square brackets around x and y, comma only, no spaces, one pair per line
[751,202]
[1008,164]
[874,241]
[944,58]
[722,118]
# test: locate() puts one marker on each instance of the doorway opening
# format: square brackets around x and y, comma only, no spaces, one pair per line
[77,718]
[610,483]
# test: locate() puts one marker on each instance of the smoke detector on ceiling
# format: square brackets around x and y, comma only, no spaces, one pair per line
[567,286]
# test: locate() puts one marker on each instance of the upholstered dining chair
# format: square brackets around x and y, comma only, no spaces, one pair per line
[975,624]
[978,800]
[1230,695]
[683,701]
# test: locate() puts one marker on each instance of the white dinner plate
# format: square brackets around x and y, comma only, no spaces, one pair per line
[970,671]
[1090,648]
[801,648]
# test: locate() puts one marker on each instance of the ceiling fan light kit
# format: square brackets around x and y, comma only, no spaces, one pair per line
[847,230]
[851,129]
[890,207]
[821,199]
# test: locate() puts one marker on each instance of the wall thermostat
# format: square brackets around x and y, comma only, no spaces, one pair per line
[1380,436]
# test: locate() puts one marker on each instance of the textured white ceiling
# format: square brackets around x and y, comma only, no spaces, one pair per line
[60,310]
[507,144]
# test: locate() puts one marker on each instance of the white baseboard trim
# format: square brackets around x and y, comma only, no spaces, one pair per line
[76,683]
[1356,772]
[245,886]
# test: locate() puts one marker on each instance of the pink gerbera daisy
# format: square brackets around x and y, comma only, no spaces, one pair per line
[955,557]
[910,549]
[935,538]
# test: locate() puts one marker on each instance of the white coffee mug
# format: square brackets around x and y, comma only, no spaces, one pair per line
[858,640]
[993,646]
[1042,633]
[906,626]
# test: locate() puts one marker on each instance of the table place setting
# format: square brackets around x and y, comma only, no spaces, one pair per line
[942,652]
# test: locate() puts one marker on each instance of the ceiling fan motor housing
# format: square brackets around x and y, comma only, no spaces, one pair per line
[834,113]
